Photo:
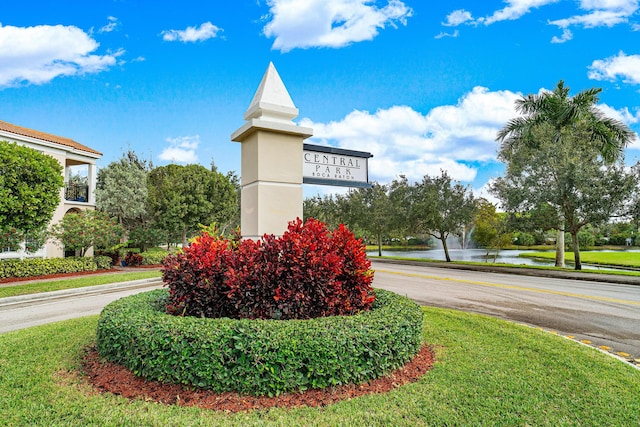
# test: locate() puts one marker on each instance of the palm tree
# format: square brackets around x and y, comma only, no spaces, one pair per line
[562,112]
[564,117]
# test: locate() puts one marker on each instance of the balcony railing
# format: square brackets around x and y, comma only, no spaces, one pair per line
[76,192]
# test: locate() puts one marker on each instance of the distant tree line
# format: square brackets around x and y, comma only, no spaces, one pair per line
[435,207]
[137,204]
[565,173]
[166,204]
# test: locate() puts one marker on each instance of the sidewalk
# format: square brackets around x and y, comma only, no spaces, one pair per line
[106,288]
[97,289]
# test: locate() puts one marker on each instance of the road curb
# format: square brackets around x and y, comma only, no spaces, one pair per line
[602,278]
[626,360]
[522,271]
[111,287]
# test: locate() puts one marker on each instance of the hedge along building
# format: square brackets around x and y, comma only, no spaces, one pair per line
[276,162]
[74,157]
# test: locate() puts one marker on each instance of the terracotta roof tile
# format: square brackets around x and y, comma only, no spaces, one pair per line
[19,130]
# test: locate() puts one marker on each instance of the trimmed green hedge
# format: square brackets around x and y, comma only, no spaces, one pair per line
[259,357]
[42,266]
[153,257]
[102,262]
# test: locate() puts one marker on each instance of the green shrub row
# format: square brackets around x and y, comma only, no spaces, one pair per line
[259,357]
[153,257]
[102,262]
[43,266]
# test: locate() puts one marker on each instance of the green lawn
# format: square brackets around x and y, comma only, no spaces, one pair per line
[623,259]
[79,282]
[488,372]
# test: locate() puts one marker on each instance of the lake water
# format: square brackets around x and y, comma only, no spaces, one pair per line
[507,256]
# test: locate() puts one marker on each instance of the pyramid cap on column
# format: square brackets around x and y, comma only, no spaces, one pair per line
[271,101]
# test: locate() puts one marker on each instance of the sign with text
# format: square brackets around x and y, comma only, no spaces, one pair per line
[335,166]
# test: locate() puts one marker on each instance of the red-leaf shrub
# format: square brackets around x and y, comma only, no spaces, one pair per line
[133,259]
[308,272]
[356,274]
[196,279]
[291,277]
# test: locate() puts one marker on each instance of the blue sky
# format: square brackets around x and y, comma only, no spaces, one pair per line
[422,85]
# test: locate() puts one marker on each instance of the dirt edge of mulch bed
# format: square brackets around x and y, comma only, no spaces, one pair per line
[105,376]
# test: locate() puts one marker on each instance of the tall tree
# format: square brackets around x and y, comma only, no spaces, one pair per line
[442,207]
[370,209]
[491,228]
[121,190]
[30,185]
[88,228]
[400,199]
[323,208]
[225,192]
[233,216]
[181,198]
[558,152]
[633,204]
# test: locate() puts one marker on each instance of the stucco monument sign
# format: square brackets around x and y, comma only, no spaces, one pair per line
[335,166]
[276,162]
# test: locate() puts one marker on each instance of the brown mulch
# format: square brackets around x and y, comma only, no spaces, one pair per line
[109,377]
[137,267]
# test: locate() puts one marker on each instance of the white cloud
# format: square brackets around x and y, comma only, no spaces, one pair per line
[515,10]
[192,34]
[598,18]
[565,37]
[626,117]
[442,34]
[625,66]
[484,192]
[329,23]
[404,141]
[181,149]
[111,26]
[600,13]
[457,17]
[37,55]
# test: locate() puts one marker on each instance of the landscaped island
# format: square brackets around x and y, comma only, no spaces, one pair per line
[266,317]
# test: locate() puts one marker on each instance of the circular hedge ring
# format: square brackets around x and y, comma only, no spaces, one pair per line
[259,357]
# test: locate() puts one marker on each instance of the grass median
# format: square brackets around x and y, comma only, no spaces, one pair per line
[488,372]
[618,258]
[78,282]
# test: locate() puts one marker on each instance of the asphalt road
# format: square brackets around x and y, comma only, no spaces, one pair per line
[603,313]
[25,312]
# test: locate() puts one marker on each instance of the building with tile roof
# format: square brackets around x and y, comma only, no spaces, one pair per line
[75,158]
